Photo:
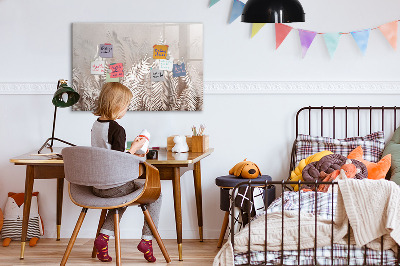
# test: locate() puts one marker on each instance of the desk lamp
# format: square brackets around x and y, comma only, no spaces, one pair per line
[273,11]
[64,97]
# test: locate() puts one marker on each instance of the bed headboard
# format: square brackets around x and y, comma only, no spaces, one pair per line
[344,121]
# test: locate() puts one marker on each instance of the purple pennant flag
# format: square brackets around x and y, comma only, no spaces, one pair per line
[306,39]
[237,9]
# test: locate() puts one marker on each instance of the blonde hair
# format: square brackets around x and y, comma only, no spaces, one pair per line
[112,99]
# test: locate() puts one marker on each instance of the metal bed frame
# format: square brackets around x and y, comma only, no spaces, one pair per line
[283,184]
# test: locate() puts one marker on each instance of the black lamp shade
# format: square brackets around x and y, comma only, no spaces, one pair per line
[65,96]
[273,11]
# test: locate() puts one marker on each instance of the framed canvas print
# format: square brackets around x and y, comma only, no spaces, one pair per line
[161,63]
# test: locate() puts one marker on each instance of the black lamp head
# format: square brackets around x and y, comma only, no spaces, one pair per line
[273,11]
[64,96]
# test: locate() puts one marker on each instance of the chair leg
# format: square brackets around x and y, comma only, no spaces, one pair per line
[101,222]
[117,239]
[154,230]
[73,237]
[223,229]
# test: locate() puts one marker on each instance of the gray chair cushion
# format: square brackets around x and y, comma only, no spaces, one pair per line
[84,196]
[99,167]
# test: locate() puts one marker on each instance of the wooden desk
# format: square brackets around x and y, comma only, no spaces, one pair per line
[171,167]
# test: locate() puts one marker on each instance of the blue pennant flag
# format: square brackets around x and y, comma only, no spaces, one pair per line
[332,41]
[213,2]
[237,9]
[361,38]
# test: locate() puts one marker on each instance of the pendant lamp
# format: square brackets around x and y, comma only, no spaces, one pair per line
[273,11]
[64,97]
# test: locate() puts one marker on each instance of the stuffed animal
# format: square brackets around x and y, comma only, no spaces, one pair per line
[245,169]
[180,144]
[1,220]
[13,215]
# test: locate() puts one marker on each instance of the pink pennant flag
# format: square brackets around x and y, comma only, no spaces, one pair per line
[389,30]
[306,39]
[281,31]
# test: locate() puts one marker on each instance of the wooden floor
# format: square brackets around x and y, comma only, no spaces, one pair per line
[50,252]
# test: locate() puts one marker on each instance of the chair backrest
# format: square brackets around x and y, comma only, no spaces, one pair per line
[92,166]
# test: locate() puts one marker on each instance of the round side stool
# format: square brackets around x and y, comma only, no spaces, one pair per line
[226,183]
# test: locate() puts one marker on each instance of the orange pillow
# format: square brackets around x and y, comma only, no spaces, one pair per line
[375,170]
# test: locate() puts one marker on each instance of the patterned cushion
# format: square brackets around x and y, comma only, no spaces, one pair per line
[372,144]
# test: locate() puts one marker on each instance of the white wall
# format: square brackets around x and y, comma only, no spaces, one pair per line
[35,41]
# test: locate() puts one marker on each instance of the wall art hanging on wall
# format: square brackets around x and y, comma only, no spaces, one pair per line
[161,63]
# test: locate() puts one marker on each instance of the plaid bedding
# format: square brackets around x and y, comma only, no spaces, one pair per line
[323,207]
[372,145]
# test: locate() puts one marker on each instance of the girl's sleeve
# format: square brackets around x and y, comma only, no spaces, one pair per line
[117,137]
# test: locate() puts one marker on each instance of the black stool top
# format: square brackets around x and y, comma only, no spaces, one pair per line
[230,181]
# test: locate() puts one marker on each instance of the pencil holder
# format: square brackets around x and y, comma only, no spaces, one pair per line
[200,143]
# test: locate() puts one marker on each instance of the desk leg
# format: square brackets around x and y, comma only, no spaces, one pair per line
[176,182]
[27,206]
[60,190]
[199,204]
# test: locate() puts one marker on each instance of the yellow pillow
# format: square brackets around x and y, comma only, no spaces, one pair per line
[296,174]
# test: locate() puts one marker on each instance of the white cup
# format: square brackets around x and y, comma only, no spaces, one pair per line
[144,134]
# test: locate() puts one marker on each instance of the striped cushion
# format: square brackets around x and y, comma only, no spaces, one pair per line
[13,228]
[372,145]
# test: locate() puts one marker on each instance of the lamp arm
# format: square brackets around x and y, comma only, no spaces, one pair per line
[54,126]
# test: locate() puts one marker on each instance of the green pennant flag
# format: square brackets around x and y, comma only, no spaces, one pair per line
[213,2]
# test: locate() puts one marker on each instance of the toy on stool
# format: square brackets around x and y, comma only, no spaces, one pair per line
[245,169]
[13,215]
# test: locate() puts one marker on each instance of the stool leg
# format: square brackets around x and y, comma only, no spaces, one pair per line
[223,229]
[101,222]
[117,238]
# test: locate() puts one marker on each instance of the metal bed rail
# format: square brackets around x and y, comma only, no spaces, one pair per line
[265,185]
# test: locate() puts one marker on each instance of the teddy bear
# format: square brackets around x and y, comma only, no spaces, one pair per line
[13,215]
[180,144]
[245,169]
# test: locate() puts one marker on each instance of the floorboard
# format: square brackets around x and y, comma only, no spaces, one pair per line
[50,252]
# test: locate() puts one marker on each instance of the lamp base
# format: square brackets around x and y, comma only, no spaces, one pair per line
[50,146]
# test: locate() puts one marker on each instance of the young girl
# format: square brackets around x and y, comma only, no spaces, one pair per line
[113,103]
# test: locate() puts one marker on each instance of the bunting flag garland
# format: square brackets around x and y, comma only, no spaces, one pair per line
[389,30]
[361,37]
[256,27]
[306,39]
[213,2]
[281,31]
[237,9]
[332,41]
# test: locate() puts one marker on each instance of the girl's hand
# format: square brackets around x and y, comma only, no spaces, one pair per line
[142,155]
[137,144]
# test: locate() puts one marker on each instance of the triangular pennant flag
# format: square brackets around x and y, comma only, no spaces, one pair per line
[361,37]
[281,31]
[256,28]
[237,9]
[213,2]
[390,32]
[306,39]
[332,41]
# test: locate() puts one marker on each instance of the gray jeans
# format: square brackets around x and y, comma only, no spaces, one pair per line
[154,208]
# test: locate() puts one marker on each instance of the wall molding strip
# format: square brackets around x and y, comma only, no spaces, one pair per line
[246,87]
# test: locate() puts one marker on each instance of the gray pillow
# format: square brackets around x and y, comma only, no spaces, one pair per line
[393,148]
